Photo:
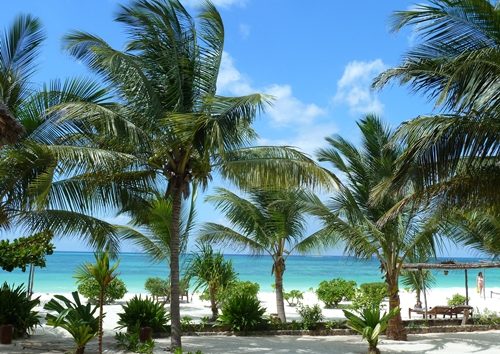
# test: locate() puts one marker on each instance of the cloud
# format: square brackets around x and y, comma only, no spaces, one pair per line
[217,3]
[353,88]
[244,30]
[287,109]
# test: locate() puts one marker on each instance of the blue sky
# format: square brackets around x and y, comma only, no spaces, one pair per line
[317,58]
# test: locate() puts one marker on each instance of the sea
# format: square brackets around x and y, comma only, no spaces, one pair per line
[302,272]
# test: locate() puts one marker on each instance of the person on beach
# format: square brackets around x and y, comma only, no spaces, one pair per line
[418,305]
[480,283]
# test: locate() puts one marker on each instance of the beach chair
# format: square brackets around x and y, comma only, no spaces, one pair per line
[417,311]
[184,289]
[460,310]
[439,310]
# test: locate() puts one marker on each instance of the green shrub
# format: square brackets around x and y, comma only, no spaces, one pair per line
[370,295]
[311,316]
[457,300]
[138,312]
[179,351]
[90,289]
[293,297]
[131,342]
[157,287]
[370,324]
[16,308]
[241,287]
[242,312]
[78,319]
[334,291]
[486,317]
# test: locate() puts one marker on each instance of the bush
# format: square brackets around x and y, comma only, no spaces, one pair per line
[457,300]
[78,319]
[486,317]
[334,291]
[90,289]
[131,342]
[157,287]
[311,316]
[138,312]
[16,308]
[293,297]
[370,295]
[242,312]
[240,288]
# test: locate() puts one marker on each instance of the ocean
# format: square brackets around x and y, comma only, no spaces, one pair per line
[302,272]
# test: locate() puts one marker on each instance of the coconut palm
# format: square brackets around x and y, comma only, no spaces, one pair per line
[103,274]
[42,154]
[265,222]
[212,271]
[351,215]
[419,280]
[454,156]
[168,115]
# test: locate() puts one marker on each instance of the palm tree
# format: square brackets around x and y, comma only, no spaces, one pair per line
[213,272]
[36,154]
[453,157]
[103,274]
[419,280]
[352,216]
[267,222]
[169,117]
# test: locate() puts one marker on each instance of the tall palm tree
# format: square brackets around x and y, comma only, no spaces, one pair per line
[266,222]
[452,157]
[40,153]
[352,216]
[168,116]
[103,274]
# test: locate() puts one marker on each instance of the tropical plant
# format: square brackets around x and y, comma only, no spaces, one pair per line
[242,312]
[91,290]
[16,309]
[457,300]
[139,312]
[171,120]
[240,287]
[78,319]
[370,295]
[370,324]
[157,287]
[103,274]
[293,297]
[452,158]
[332,292]
[486,317]
[267,222]
[310,315]
[37,192]
[417,281]
[353,215]
[211,271]
[24,251]
[130,341]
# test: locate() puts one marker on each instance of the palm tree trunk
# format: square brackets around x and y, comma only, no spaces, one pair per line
[175,315]
[373,350]
[101,314]
[278,284]
[395,328]
[213,303]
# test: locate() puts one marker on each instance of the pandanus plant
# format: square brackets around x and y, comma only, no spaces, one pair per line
[370,324]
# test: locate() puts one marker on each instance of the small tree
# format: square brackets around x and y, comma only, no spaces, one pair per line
[213,272]
[104,274]
[334,291]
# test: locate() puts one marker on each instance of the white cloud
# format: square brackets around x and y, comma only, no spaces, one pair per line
[244,30]
[218,3]
[353,88]
[287,109]
[230,79]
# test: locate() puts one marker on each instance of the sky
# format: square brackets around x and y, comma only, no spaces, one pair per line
[316,58]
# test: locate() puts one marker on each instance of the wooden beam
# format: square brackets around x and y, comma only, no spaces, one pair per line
[418,266]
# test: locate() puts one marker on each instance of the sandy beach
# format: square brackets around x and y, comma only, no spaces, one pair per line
[50,340]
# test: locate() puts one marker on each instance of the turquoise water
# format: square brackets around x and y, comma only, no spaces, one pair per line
[302,272]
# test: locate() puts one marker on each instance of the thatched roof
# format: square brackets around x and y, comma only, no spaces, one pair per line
[451,265]
[10,129]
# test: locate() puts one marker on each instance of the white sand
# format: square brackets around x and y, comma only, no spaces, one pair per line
[57,340]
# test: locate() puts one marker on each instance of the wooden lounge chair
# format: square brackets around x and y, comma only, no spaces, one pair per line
[439,310]
[417,311]
[460,310]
